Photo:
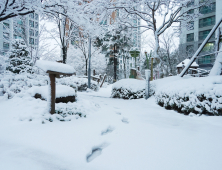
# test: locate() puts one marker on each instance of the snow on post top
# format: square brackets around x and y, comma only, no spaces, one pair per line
[55,67]
[185,62]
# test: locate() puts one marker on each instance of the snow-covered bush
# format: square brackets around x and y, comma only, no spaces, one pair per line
[128,89]
[11,84]
[80,83]
[64,93]
[193,95]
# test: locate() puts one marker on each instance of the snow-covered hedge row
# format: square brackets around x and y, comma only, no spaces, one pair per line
[192,95]
[128,89]
[80,83]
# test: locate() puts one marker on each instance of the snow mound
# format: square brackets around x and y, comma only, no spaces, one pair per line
[128,89]
[61,91]
[54,66]
[200,95]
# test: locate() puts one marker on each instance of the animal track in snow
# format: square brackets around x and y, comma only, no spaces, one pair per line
[96,151]
[125,120]
[108,130]
[118,113]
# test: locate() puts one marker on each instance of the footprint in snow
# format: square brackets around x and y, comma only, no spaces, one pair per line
[108,130]
[118,113]
[96,151]
[125,120]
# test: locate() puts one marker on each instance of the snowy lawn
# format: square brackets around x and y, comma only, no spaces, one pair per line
[123,135]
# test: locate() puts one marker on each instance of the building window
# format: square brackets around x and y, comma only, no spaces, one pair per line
[190,37]
[20,22]
[36,24]
[190,25]
[5,45]
[23,30]
[36,33]
[36,16]
[190,49]
[31,15]
[31,32]
[190,11]
[104,22]
[206,59]
[209,47]
[31,23]
[6,35]
[5,26]
[208,9]
[36,41]
[206,21]
[31,41]
[204,34]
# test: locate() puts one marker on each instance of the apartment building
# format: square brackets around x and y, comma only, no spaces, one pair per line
[26,28]
[196,31]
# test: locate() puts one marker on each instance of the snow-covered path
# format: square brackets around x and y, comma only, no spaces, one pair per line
[122,134]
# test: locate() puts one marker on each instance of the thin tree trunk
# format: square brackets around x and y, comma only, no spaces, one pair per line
[86,67]
[64,54]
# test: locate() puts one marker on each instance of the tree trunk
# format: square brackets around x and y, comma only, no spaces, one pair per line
[64,54]
[86,67]
[124,65]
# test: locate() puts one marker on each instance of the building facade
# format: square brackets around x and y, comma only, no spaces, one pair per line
[26,28]
[195,32]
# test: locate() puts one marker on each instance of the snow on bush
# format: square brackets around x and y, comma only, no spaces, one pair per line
[199,95]
[61,91]
[12,84]
[80,83]
[128,89]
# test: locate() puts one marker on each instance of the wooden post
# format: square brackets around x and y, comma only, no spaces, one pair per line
[53,93]
[103,80]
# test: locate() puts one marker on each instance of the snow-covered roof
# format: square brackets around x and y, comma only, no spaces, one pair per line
[54,67]
[185,62]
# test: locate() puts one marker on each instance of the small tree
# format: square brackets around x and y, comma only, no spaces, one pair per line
[19,58]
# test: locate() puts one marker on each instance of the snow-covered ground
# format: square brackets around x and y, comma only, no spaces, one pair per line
[122,134]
